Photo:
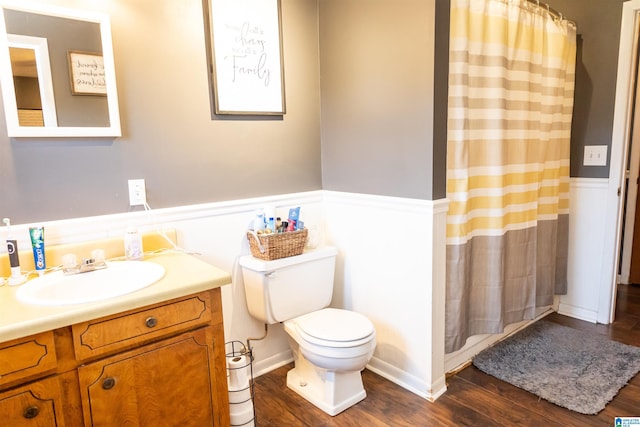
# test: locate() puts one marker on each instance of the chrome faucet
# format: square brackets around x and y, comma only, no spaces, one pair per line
[71,266]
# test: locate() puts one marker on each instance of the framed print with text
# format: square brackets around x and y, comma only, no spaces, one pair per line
[86,71]
[246,44]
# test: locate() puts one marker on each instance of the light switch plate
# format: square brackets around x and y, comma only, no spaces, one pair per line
[595,155]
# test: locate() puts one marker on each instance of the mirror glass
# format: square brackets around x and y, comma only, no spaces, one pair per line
[57,72]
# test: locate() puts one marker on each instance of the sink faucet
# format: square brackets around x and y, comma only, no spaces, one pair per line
[71,266]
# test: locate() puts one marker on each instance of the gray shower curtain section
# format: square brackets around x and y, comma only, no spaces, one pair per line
[514,274]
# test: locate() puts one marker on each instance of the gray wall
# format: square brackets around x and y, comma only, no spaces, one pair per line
[381,133]
[169,137]
[376,60]
[440,92]
[596,72]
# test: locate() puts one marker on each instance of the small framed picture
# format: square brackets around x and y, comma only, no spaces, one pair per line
[86,73]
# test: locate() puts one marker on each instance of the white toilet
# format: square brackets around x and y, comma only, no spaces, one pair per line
[330,346]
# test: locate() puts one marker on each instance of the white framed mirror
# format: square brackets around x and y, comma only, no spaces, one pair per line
[57,72]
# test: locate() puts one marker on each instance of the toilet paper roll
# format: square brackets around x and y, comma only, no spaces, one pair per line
[238,372]
[241,408]
[239,396]
[242,418]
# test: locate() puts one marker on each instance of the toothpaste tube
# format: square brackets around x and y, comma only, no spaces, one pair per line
[37,243]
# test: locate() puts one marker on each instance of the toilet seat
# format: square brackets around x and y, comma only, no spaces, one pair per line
[332,327]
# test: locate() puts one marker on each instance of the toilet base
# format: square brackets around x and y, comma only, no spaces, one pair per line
[333,392]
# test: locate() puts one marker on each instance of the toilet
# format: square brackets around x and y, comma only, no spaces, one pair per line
[330,346]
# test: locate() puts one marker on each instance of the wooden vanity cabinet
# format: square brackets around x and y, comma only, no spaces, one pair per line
[159,365]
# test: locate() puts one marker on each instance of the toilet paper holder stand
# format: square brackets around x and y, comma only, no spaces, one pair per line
[240,384]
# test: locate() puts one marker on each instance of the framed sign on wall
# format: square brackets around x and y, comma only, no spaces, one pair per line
[86,70]
[246,44]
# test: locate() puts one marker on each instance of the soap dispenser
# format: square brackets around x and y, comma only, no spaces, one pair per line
[133,244]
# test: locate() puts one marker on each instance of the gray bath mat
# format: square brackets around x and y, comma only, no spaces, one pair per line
[577,370]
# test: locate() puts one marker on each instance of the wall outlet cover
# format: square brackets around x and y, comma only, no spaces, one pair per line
[595,155]
[137,192]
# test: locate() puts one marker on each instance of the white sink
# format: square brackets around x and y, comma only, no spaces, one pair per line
[119,278]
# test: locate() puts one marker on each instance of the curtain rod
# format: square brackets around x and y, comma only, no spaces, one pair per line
[551,10]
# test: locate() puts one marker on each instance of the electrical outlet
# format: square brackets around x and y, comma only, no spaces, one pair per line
[137,192]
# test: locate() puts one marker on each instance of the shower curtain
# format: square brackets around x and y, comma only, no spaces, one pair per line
[511,83]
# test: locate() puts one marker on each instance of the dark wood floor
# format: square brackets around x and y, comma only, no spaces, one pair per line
[472,398]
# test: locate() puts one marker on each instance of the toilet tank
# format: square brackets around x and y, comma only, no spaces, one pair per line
[289,287]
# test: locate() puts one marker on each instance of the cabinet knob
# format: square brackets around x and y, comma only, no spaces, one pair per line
[151,322]
[31,412]
[108,383]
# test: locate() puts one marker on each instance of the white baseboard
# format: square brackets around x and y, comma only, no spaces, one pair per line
[408,381]
[578,312]
[269,364]
[377,366]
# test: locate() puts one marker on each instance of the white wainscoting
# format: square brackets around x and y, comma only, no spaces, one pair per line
[587,227]
[216,232]
[390,267]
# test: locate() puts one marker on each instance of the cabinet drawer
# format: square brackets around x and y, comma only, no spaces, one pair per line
[132,328]
[27,358]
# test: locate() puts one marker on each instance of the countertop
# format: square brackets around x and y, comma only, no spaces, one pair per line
[184,275]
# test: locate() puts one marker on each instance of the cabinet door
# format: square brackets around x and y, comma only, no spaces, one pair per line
[162,384]
[37,404]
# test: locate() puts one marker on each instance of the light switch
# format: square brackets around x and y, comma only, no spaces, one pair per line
[595,155]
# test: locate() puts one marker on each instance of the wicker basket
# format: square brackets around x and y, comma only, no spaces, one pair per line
[277,245]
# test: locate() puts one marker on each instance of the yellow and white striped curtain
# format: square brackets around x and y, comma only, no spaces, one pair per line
[511,85]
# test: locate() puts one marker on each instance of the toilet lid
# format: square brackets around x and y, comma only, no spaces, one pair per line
[332,324]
